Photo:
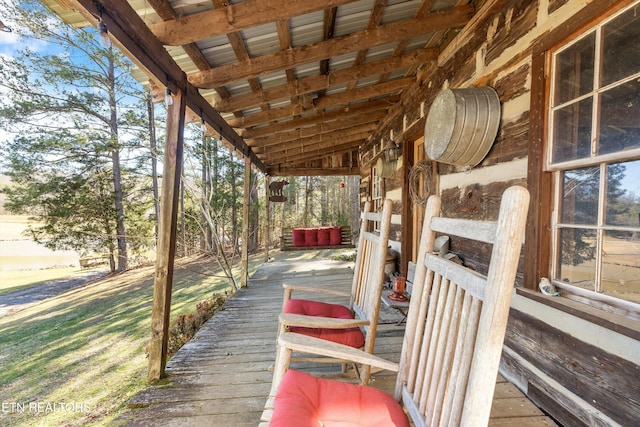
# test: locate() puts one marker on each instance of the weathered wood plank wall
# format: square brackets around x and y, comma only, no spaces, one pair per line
[578,379]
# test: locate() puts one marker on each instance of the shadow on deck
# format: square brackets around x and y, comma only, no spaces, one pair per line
[222,378]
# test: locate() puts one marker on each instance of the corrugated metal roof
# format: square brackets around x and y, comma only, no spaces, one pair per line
[262,41]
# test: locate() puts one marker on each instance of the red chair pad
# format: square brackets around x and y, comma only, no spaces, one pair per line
[323,236]
[298,236]
[335,236]
[306,401]
[311,237]
[352,337]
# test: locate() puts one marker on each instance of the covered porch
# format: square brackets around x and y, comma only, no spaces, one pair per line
[222,376]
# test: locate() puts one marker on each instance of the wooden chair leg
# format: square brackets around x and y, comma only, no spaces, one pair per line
[283,360]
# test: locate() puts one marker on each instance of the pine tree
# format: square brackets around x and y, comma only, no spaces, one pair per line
[65,107]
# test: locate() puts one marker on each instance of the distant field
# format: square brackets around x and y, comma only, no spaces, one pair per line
[18,252]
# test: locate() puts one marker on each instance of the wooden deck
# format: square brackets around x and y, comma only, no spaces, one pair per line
[222,378]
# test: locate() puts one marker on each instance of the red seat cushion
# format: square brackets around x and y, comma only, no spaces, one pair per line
[323,236]
[335,236]
[303,400]
[311,237]
[352,337]
[298,236]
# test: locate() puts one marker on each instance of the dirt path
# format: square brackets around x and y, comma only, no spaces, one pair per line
[17,301]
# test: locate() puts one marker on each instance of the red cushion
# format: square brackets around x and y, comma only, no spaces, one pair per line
[323,236]
[306,401]
[335,236]
[298,236]
[352,337]
[311,237]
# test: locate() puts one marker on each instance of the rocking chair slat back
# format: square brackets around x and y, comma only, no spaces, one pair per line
[368,278]
[455,326]
[366,289]
[449,371]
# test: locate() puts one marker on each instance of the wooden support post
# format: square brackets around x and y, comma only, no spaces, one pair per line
[245,223]
[267,234]
[163,279]
[406,245]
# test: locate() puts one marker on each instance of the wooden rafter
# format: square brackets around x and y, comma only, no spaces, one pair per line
[315,139]
[374,21]
[320,116]
[370,119]
[321,82]
[314,153]
[301,55]
[233,18]
[343,98]
[166,12]
[279,74]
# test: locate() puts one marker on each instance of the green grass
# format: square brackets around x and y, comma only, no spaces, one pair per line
[85,349]
[14,281]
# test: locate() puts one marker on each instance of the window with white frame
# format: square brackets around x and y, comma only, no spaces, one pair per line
[594,156]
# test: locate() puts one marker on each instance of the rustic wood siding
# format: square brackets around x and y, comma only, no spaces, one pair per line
[505,52]
[611,384]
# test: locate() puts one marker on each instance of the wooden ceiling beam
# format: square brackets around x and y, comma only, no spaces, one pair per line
[234,18]
[306,132]
[300,55]
[291,158]
[315,83]
[343,98]
[319,149]
[240,50]
[284,38]
[321,117]
[328,27]
[306,171]
[315,139]
[374,20]
[165,11]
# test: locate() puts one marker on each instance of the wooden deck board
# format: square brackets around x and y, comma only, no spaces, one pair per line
[222,377]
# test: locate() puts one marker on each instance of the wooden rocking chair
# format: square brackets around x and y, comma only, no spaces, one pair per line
[354,325]
[451,349]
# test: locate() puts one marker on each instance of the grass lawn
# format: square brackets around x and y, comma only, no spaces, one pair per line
[77,358]
[17,280]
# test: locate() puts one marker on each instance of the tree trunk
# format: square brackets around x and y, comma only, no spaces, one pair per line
[154,161]
[254,218]
[206,166]
[234,207]
[117,178]
[214,189]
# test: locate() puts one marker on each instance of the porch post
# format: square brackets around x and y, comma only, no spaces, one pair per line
[245,222]
[166,246]
[267,239]
[406,246]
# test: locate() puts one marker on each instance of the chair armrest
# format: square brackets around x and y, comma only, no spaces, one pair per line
[288,291]
[306,344]
[301,320]
[316,290]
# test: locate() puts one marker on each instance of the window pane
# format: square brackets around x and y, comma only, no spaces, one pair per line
[574,70]
[576,262]
[623,194]
[620,118]
[621,56]
[572,131]
[580,196]
[621,265]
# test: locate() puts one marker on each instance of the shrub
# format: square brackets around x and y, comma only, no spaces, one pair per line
[184,327]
